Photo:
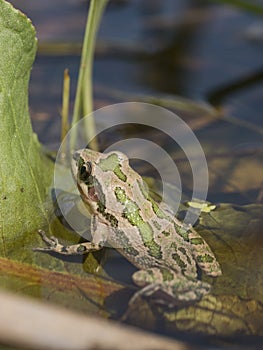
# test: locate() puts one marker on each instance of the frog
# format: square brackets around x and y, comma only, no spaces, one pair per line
[167,252]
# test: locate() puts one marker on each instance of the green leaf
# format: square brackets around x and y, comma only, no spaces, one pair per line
[26,174]
[24,170]
[83,292]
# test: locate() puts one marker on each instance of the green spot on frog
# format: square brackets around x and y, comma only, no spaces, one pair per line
[179,261]
[120,195]
[205,258]
[157,226]
[196,240]
[109,217]
[166,274]
[183,250]
[166,233]
[101,207]
[131,251]
[131,212]
[112,163]
[182,232]
[160,214]
[117,171]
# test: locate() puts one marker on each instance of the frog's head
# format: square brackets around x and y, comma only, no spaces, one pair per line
[83,169]
[81,164]
[95,172]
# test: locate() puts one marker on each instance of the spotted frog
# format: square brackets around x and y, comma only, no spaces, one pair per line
[124,216]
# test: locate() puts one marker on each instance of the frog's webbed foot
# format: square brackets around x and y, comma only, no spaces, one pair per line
[53,245]
[168,295]
[172,294]
[147,291]
[168,287]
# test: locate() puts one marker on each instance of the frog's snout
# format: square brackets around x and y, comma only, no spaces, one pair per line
[76,156]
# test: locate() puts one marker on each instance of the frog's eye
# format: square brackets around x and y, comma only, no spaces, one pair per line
[85,171]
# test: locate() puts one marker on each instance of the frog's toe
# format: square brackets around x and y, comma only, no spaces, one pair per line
[54,241]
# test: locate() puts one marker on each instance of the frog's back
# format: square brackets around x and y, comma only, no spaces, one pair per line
[140,228]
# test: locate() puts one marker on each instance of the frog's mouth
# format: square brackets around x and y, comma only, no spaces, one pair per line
[92,194]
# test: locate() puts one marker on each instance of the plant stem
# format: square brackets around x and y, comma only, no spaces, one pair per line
[65,105]
[84,95]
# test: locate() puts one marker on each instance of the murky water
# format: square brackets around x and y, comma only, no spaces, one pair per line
[205,52]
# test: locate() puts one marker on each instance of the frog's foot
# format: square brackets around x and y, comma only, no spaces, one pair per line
[168,287]
[53,245]
[172,294]
[162,294]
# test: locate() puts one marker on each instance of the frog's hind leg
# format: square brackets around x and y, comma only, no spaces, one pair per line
[203,254]
[168,287]
[201,251]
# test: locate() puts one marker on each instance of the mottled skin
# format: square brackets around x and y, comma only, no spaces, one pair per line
[165,251]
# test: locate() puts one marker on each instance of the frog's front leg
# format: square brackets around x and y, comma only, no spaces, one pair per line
[53,245]
[169,288]
[99,233]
